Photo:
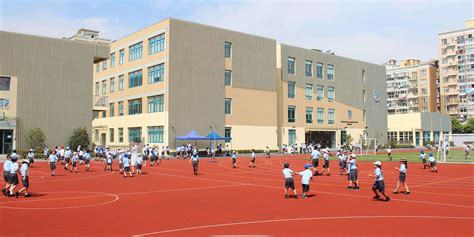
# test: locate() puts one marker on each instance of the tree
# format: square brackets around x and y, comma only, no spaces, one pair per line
[36,139]
[79,137]
[456,125]
[469,126]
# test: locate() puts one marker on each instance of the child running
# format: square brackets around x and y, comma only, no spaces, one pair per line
[52,162]
[74,160]
[403,175]
[432,161]
[126,166]
[6,174]
[315,154]
[289,181]
[24,170]
[353,181]
[87,160]
[423,159]
[13,176]
[67,157]
[252,159]
[234,159]
[306,176]
[389,153]
[31,157]
[379,185]
[195,161]
[139,164]
[326,162]
[267,152]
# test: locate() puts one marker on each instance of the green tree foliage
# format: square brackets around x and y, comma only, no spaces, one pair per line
[459,128]
[36,139]
[79,137]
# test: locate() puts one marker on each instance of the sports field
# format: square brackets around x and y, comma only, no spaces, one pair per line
[168,200]
[413,155]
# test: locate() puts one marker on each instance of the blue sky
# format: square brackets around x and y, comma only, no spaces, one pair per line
[373,31]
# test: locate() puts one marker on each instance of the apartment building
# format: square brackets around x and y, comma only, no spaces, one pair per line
[46,83]
[456,69]
[173,76]
[412,86]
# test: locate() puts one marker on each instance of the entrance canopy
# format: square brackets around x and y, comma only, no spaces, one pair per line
[215,136]
[191,136]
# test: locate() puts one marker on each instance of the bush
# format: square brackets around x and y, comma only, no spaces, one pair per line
[79,137]
[36,139]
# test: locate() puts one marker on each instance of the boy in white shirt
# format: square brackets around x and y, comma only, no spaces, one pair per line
[306,176]
[234,159]
[252,159]
[24,170]
[289,181]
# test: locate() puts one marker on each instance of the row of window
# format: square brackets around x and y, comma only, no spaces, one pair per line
[155,44]
[309,69]
[309,91]
[5,83]
[155,104]
[309,115]
[155,134]
[155,74]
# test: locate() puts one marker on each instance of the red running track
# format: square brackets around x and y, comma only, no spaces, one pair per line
[168,200]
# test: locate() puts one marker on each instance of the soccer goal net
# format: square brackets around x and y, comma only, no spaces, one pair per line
[367,146]
[455,148]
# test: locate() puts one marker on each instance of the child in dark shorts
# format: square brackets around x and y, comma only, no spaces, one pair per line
[24,170]
[6,173]
[402,176]
[379,185]
[289,181]
[432,161]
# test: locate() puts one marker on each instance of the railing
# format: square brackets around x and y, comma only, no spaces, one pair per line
[100,100]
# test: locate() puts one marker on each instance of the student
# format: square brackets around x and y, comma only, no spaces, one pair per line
[326,162]
[126,166]
[379,185]
[108,161]
[6,174]
[120,160]
[289,181]
[52,163]
[432,161]
[267,152]
[315,154]
[423,159]
[46,152]
[87,160]
[234,159]
[403,175]
[139,164]
[467,151]
[75,158]
[67,158]
[13,176]
[342,162]
[195,161]
[252,159]
[31,157]
[353,180]
[24,171]
[306,176]
[81,154]
[389,153]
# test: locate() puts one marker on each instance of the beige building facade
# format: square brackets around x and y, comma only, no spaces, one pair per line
[174,76]
[456,68]
[412,86]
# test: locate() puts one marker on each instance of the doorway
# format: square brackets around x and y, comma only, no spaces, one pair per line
[325,138]
[6,141]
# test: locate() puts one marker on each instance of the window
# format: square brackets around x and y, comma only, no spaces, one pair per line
[112,60]
[308,68]
[134,134]
[309,115]
[228,106]
[120,108]
[156,73]
[135,106]
[112,85]
[104,87]
[97,88]
[330,93]
[309,91]
[228,134]
[104,114]
[291,65]
[156,103]
[121,56]
[319,70]
[320,93]
[5,83]
[349,114]
[320,115]
[330,116]
[291,136]
[363,95]
[227,77]
[104,65]
[155,134]
[363,75]
[111,110]
[97,67]
[423,72]
[291,89]
[156,44]
[121,80]
[111,134]
[135,79]
[291,114]
[135,51]
[228,50]
[330,72]
[120,134]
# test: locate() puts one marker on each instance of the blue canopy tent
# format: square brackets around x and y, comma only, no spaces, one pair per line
[214,136]
[192,136]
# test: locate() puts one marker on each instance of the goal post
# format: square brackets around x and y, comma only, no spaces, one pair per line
[368,146]
[455,148]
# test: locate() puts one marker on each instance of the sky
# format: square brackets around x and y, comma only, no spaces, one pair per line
[373,31]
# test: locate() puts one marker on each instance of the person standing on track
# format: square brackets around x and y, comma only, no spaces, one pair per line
[389,153]
[126,166]
[267,152]
[6,174]
[31,157]
[139,164]
[195,161]
[379,185]
[24,171]
[432,161]
[252,159]
[289,181]
[13,176]
[87,160]
[306,176]
[67,157]
[52,162]
[342,162]
[74,160]
[353,180]
[234,159]
[403,175]
[326,156]
[423,159]
[315,154]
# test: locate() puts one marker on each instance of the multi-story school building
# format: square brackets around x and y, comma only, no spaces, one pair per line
[174,76]
[46,83]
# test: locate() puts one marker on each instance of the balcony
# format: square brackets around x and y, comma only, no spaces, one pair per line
[100,103]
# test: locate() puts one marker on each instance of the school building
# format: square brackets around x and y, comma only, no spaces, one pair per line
[417,129]
[46,83]
[173,76]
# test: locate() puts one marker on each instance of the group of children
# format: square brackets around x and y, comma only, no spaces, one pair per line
[11,170]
